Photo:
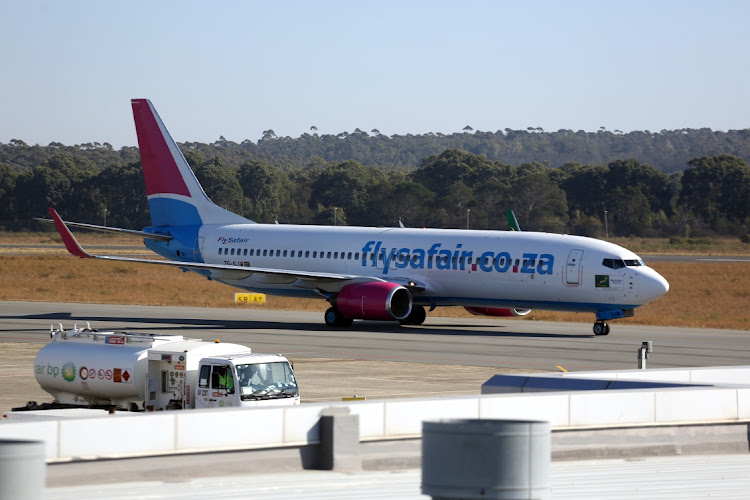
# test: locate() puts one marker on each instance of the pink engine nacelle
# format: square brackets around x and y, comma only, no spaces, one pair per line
[377,300]
[497,311]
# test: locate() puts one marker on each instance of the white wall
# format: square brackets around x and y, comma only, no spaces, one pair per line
[237,428]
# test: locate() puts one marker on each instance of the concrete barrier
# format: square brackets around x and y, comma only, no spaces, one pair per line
[405,417]
[117,437]
[695,405]
[554,408]
[102,435]
[228,429]
[611,408]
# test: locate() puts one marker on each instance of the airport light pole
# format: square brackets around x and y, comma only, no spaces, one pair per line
[606,226]
[335,213]
[468,210]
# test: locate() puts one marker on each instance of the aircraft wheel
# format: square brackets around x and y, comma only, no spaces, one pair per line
[346,321]
[334,318]
[415,317]
[601,328]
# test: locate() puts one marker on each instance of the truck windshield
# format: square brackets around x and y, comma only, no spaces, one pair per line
[266,380]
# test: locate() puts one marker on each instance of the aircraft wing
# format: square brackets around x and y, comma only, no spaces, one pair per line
[222,271]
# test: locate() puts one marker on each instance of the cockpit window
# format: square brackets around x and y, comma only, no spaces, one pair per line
[619,263]
[613,263]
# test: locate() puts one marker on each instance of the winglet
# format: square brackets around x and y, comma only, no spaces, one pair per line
[512,221]
[70,242]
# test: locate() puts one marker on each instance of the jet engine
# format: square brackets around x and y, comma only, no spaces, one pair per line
[497,311]
[377,300]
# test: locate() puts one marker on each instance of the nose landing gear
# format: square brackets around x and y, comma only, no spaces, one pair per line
[601,328]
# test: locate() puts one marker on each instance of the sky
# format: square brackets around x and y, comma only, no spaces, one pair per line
[237,68]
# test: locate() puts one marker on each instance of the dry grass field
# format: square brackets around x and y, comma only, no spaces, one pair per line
[707,295]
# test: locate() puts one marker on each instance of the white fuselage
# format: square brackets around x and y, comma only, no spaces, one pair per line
[455,267]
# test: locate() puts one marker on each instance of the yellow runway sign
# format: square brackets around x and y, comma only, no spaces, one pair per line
[249,298]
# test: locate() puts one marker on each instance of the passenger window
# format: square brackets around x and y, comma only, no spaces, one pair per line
[265,252]
[356,256]
[232,252]
[284,253]
[329,255]
[349,256]
[307,253]
[315,254]
[335,255]
[244,251]
[251,252]
[278,253]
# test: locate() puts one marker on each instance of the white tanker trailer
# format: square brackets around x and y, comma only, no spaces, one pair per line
[145,371]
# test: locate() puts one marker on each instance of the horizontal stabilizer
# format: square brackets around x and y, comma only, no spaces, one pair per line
[116,230]
[221,271]
[70,242]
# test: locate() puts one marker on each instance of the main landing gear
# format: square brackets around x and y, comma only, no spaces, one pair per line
[415,317]
[334,318]
[601,328]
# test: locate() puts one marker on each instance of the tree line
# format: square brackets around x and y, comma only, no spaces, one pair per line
[454,188]
[667,150]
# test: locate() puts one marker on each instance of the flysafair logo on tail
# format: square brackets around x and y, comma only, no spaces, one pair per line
[374,254]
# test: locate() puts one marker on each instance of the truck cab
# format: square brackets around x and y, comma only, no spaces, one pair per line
[195,374]
[246,380]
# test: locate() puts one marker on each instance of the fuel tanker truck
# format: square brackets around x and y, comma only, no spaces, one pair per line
[152,372]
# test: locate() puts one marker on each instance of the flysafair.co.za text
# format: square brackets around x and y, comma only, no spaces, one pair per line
[440,258]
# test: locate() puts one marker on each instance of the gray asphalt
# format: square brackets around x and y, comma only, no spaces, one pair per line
[520,343]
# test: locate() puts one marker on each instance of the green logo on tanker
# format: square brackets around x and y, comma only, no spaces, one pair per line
[69,372]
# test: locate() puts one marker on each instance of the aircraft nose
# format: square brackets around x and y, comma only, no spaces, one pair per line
[655,286]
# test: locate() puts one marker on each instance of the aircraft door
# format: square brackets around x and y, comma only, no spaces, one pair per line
[198,250]
[380,259]
[573,268]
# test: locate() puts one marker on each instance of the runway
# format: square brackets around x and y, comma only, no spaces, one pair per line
[520,344]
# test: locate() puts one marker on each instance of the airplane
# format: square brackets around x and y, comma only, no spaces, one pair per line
[374,273]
